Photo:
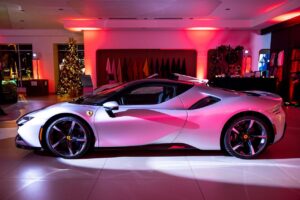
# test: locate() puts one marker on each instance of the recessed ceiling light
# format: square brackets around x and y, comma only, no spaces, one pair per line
[22,10]
[202,28]
[227,9]
[22,20]
[60,9]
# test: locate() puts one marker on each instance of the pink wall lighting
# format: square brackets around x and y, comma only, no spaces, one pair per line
[201,40]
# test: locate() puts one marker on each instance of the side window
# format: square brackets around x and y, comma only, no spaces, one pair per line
[148,90]
[145,95]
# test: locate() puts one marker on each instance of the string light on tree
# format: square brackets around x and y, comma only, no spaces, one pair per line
[70,72]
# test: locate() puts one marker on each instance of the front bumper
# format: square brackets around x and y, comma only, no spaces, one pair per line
[283,134]
[20,143]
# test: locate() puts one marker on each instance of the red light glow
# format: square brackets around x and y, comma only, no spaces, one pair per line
[247,64]
[202,40]
[176,147]
[273,7]
[78,19]
[205,19]
[78,29]
[38,69]
[202,28]
[287,16]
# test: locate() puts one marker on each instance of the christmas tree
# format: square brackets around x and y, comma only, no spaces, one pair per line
[70,72]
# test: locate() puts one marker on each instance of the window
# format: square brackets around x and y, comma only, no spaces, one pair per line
[264,60]
[16,61]
[148,90]
[100,97]
[147,95]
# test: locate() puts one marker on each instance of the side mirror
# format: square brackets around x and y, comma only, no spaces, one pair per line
[110,106]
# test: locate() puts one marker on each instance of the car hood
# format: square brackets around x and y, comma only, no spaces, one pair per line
[64,108]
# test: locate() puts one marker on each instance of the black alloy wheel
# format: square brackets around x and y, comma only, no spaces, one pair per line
[68,137]
[246,137]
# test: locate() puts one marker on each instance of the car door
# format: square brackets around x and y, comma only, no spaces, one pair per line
[146,115]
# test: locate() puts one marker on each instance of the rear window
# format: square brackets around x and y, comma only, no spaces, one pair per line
[181,88]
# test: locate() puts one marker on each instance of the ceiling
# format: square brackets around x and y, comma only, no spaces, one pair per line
[53,14]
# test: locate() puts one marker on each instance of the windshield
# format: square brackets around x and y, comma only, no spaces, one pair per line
[112,89]
[98,97]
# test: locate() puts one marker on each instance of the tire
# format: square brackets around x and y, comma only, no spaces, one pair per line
[246,137]
[68,137]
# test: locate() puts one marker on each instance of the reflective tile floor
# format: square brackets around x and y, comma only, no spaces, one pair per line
[143,174]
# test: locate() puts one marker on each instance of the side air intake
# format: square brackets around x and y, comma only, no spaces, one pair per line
[207,101]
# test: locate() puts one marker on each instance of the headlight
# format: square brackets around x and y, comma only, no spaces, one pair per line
[23,120]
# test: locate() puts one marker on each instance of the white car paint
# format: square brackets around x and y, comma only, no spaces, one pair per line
[167,122]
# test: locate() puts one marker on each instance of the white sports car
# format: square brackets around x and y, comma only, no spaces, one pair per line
[157,111]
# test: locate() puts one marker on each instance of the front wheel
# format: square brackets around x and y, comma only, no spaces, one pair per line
[68,137]
[246,137]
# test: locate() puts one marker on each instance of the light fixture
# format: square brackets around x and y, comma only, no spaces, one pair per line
[35,56]
[286,16]
[202,28]
[78,29]
[19,8]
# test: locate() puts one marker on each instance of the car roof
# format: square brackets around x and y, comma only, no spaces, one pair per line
[162,81]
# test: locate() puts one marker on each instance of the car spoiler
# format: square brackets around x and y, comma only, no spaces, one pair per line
[264,94]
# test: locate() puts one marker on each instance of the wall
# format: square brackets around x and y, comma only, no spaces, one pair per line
[192,39]
[42,42]
[286,39]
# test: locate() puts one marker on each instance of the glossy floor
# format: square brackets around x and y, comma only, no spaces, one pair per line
[144,174]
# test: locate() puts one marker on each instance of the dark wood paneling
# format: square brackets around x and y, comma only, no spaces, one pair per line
[38,87]
[285,39]
[139,55]
[263,84]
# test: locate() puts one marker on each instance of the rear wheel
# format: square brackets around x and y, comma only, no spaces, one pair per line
[246,137]
[68,137]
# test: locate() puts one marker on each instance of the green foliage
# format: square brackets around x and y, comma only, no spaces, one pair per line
[9,90]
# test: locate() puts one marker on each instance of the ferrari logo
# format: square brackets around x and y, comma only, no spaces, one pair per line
[89,113]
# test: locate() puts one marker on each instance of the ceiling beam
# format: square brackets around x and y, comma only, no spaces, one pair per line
[168,24]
